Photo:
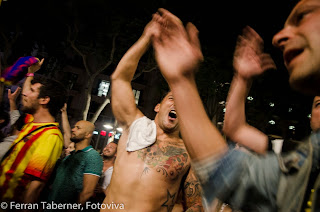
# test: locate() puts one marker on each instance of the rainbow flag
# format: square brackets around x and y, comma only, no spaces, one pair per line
[18,70]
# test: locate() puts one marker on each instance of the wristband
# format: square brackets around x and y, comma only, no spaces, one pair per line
[30,74]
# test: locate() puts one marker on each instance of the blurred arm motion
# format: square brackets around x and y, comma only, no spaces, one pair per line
[249,61]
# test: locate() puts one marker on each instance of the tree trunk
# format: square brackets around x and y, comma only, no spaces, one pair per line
[97,113]
[88,98]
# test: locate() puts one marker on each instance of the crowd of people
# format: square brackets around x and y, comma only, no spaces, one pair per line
[179,161]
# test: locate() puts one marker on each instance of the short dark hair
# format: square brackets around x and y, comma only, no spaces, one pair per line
[52,89]
[163,95]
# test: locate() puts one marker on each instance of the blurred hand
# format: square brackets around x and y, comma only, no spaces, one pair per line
[64,108]
[249,60]
[177,48]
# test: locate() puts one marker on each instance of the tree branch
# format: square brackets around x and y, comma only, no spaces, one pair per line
[144,71]
[108,63]
[73,45]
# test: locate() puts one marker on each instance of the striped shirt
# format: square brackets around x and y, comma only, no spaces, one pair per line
[31,157]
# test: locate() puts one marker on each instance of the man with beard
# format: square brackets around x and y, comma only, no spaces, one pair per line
[152,164]
[78,173]
[109,156]
[27,165]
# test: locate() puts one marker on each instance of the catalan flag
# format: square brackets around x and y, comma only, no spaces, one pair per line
[18,70]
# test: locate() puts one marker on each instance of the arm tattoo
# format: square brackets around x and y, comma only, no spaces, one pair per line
[192,193]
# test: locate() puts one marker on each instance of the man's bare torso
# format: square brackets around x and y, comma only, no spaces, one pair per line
[148,179]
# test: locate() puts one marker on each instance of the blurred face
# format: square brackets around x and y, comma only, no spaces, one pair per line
[315,114]
[30,99]
[166,114]
[70,148]
[300,42]
[110,150]
[79,132]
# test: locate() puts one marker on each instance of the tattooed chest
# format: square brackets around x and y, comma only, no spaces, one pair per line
[170,161]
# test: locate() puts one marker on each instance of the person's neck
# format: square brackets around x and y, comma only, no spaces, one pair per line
[82,144]
[162,135]
[107,163]
[42,115]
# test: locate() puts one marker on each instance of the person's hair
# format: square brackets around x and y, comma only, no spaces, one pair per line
[52,89]
[163,95]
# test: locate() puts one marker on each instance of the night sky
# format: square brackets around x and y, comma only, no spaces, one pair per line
[219,24]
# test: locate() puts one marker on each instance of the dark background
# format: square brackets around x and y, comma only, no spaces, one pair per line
[43,27]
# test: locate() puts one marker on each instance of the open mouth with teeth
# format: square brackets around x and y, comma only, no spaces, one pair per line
[172,115]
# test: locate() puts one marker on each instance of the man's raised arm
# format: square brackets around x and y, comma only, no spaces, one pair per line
[65,126]
[178,55]
[249,61]
[122,99]
[31,70]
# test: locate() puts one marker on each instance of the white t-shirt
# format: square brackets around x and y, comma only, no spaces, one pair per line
[107,177]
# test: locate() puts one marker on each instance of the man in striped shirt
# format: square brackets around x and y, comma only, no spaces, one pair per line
[26,167]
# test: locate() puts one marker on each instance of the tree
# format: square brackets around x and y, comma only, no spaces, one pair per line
[90,69]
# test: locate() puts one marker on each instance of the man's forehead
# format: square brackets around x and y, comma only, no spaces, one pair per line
[80,124]
[36,86]
[300,5]
[112,144]
[316,99]
[168,94]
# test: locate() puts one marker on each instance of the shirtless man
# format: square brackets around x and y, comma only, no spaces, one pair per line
[148,178]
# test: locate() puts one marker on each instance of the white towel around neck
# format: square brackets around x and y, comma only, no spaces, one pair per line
[142,133]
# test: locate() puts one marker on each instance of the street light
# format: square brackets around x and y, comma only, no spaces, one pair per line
[108,126]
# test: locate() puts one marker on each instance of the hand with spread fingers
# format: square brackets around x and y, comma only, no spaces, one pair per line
[249,59]
[177,48]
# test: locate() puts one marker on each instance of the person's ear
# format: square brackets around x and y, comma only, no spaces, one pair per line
[44,100]
[88,135]
[157,108]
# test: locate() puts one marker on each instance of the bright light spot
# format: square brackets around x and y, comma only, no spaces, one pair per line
[250,98]
[117,136]
[309,116]
[272,122]
[271,104]
[95,132]
[224,110]
[290,109]
[220,123]
[222,102]
[119,129]
[108,126]
[103,88]
[292,127]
